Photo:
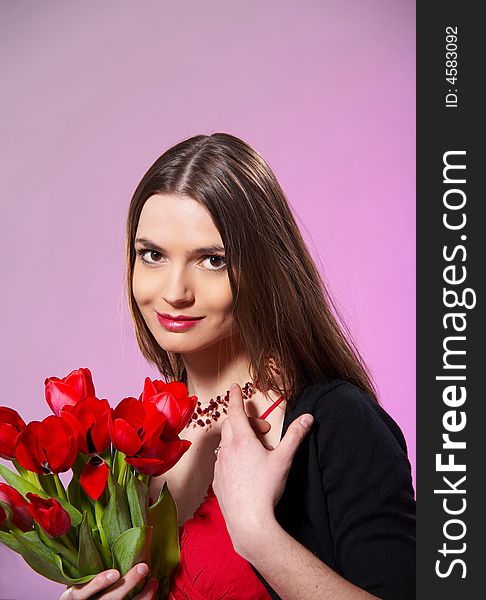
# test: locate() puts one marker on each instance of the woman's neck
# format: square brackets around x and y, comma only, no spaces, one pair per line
[212,371]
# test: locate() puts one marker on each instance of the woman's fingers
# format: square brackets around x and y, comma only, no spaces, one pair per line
[126,583]
[260,427]
[116,588]
[98,583]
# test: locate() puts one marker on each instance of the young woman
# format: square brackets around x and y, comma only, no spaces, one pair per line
[297,483]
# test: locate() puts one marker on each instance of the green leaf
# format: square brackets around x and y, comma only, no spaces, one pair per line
[116,517]
[59,548]
[19,483]
[39,558]
[48,485]
[23,487]
[37,555]
[165,543]
[79,463]
[7,509]
[106,456]
[137,495]
[10,541]
[89,560]
[131,547]
[73,580]
[118,463]
[80,501]
[105,553]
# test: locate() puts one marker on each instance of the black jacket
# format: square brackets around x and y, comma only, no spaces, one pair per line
[349,497]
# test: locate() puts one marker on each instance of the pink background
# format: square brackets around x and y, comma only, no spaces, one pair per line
[93,92]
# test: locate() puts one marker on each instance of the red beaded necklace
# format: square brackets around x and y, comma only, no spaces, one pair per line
[212,412]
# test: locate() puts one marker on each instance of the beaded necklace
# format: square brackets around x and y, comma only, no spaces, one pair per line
[212,412]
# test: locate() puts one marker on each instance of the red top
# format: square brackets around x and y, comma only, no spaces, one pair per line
[209,567]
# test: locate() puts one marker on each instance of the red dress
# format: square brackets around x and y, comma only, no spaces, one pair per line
[209,567]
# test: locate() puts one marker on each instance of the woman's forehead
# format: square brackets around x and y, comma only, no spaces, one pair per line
[173,218]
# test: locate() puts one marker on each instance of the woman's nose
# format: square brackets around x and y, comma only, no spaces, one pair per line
[177,288]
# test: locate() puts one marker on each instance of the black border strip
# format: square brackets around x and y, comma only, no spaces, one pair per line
[449,271]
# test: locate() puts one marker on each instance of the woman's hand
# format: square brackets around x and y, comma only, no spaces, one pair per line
[249,478]
[108,585]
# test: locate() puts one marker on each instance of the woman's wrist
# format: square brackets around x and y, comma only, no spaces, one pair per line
[257,538]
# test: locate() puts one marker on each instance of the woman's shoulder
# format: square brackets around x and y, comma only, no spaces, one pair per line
[332,394]
[345,408]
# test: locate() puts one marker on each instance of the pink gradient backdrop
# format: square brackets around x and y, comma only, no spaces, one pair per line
[94,92]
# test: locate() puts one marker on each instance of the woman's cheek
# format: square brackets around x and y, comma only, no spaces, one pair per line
[144,289]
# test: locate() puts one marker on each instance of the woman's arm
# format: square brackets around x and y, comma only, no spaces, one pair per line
[292,570]
[248,482]
[369,499]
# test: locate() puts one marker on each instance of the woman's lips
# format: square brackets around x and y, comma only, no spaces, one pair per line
[176,324]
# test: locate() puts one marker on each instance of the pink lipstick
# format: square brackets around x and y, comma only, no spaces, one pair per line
[177,323]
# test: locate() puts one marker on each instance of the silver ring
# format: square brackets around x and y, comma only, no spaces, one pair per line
[217,450]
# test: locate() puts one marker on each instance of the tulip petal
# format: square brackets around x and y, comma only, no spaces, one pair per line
[151,388]
[11,424]
[174,402]
[131,411]
[59,440]
[49,514]
[168,406]
[94,477]
[178,389]
[21,516]
[76,426]
[58,395]
[100,433]
[12,417]
[28,450]
[68,390]
[82,381]
[125,438]
[160,457]
[92,415]
[8,437]
[154,423]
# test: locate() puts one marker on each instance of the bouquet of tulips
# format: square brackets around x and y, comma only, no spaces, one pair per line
[104,518]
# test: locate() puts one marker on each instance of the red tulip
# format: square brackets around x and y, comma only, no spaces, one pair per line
[90,417]
[50,515]
[69,390]
[21,516]
[133,424]
[3,517]
[141,431]
[172,400]
[158,457]
[49,446]
[11,424]
[94,476]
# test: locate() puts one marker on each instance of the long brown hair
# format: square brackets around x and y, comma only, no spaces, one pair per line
[282,309]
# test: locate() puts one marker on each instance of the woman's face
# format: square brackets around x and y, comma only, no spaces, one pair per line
[182,275]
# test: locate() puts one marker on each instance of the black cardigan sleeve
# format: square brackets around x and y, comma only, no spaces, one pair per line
[367,482]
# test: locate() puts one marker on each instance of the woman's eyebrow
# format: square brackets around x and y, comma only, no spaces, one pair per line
[204,249]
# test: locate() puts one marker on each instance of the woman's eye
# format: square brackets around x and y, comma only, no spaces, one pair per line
[143,251]
[218,265]
[213,262]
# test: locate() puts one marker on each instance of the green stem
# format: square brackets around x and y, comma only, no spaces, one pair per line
[98,515]
[121,474]
[35,479]
[69,545]
[20,470]
[61,492]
